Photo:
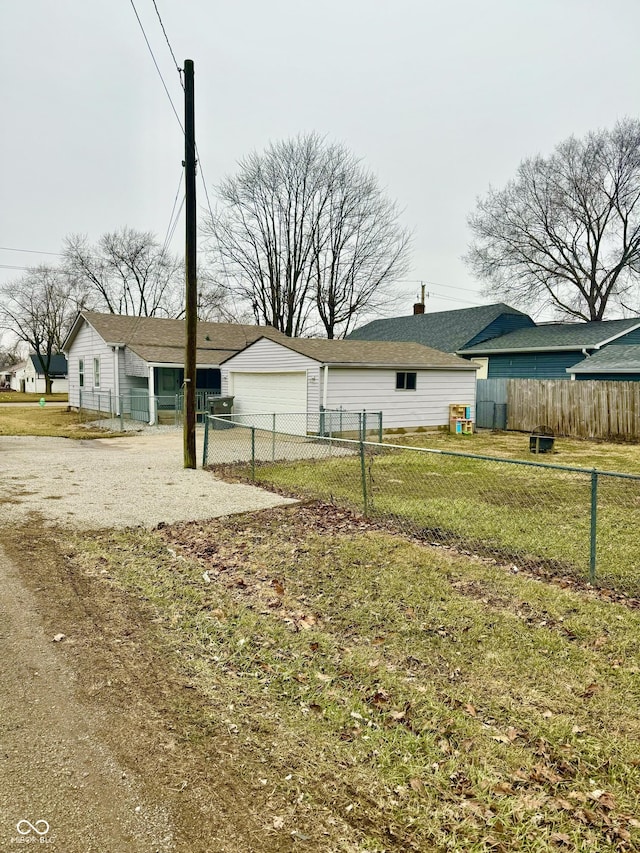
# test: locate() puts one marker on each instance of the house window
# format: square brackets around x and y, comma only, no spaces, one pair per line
[96,372]
[406,381]
[81,372]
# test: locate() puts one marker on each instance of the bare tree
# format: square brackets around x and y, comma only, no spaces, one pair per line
[566,231]
[304,236]
[360,250]
[128,272]
[39,309]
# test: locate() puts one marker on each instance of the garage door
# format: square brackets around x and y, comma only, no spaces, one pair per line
[269,392]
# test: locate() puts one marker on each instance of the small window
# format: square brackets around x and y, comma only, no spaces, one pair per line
[406,381]
[96,372]
[81,372]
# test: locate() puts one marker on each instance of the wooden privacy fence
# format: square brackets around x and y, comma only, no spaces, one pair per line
[582,408]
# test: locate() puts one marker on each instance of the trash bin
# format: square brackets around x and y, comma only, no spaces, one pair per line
[221,407]
[541,440]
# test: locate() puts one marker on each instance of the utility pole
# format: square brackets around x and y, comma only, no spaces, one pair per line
[191,301]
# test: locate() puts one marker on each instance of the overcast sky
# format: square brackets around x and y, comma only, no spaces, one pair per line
[440,100]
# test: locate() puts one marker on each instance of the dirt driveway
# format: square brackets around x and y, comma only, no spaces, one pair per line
[63,699]
[113,482]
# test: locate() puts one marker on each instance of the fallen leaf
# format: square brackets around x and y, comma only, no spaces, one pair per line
[278,586]
[278,822]
[58,638]
[560,838]
[417,785]
[469,708]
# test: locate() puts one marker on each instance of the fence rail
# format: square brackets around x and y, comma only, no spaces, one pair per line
[159,409]
[584,408]
[569,521]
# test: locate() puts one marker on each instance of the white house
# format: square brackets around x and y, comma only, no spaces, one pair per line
[137,363]
[28,376]
[411,384]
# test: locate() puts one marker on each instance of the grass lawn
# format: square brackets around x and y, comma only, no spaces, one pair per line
[391,696]
[518,513]
[43,420]
[604,455]
[20,397]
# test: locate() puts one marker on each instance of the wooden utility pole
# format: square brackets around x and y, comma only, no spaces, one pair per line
[191,301]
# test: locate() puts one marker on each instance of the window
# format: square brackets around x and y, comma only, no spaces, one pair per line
[96,372]
[406,381]
[81,372]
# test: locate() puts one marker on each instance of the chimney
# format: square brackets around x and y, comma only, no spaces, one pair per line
[418,308]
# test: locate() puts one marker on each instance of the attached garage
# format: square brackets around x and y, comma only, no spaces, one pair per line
[268,391]
[412,385]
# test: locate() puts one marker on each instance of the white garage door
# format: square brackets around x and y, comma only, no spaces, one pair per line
[268,392]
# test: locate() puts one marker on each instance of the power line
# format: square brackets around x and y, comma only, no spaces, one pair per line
[167,237]
[29,251]
[435,284]
[175,112]
[173,56]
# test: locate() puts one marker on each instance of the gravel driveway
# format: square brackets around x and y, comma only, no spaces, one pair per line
[114,482]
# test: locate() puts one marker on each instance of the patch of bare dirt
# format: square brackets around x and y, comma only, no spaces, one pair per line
[122,715]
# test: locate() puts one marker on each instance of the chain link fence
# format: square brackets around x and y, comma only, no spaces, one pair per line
[120,410]
[568,521]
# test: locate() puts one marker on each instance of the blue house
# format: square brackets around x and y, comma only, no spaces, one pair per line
[448,331]
[562,351]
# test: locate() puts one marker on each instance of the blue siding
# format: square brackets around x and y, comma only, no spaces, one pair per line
[500,326]
[609,377]
[533,365]
[631,338]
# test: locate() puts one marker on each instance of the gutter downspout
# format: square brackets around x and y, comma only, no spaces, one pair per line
[152,396]
[586,355]
[325,385]
[116,376]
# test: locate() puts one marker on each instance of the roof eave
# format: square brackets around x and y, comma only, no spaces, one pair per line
[506,350]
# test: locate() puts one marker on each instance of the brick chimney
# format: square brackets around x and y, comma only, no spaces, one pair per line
[418,307]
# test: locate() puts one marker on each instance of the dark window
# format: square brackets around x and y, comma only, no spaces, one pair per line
[406,381]
[81,372]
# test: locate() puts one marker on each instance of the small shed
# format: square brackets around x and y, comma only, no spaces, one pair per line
[412,385]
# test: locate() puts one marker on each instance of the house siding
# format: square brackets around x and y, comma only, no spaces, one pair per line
[375,390]
[88,345]
[502,325]
[533,365]
[134,365]
[630,338]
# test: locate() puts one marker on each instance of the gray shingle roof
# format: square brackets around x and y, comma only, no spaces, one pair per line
[614,359]
[448,331]
[555,336]
[162,341]
[376,354]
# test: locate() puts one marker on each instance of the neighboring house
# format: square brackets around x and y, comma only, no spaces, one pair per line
[551,350]
[28,376]
[137,363]
[449,331]
[618,362]
[411,384]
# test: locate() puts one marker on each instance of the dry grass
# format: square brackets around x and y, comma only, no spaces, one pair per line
[21,397]
[388,696]
[583,453]
[50,421]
